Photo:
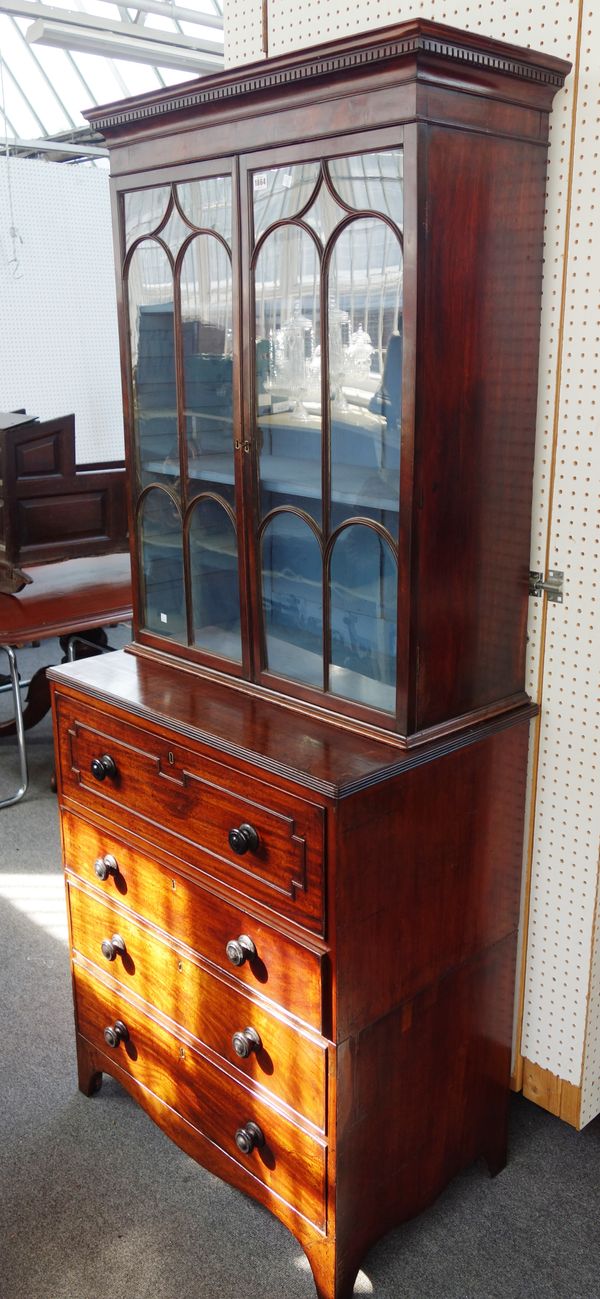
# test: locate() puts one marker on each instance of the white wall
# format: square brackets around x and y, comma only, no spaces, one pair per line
[58,327]
[561,1013]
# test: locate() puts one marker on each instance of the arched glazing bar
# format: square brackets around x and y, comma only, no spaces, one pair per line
[211,543]
[361,615]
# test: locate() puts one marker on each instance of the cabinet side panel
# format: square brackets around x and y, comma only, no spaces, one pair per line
[428,873]
[479,325]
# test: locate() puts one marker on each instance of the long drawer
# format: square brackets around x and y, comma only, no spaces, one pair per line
[286,972]
[288,1160]
[284,1060]
[265,843]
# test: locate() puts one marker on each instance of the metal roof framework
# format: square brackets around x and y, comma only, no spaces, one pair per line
[58,58]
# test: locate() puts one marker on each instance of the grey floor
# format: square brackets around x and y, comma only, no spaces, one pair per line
[95,1201]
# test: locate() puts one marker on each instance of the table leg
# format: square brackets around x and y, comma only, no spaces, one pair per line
[20,728]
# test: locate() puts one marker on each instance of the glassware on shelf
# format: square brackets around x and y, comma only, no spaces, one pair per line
[296,346]
[358,357]
[338,353]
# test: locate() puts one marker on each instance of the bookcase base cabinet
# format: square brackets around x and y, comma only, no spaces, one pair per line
[337,1049]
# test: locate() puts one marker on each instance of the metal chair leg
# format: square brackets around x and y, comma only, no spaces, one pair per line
[14,679]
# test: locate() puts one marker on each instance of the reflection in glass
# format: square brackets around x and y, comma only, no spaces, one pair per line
[175,232]
[363,582]
[215,586]
[150,290]
[292,599]
[206,204]
[144,211]
[206,325]
[365,372]
[371,182]
[281,192]
[324,214]
[288,391]
[161,552]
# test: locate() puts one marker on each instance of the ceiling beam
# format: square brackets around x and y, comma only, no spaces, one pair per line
[119,45]
[76,18]
[69,148]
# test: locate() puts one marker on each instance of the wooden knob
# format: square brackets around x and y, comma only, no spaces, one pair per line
[249,1137]
[243,839]
[110,947]
[115,1033]
[246,1042]
[240,949]
[105,866]
[103,767]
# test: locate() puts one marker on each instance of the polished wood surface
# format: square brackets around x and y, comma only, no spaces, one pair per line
[284,971]
[292,1161]
[174,797]
[288,1064]
[68,597]
[51,508]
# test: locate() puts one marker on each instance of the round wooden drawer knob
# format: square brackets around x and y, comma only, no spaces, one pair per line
[105,866]
[248,1138]
[246,1042]
[103,767]
[110,947]
[240,949]
[243,839]
[115,1033]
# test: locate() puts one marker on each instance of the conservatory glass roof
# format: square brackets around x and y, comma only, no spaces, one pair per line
[60,57]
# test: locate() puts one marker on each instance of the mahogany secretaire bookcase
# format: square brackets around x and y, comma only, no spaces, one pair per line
[292,815]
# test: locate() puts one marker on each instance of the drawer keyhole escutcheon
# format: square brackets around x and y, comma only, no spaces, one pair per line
[105,866]
[110,947]
[246,1042]
[103,767]
[240,949]
[115,1033]
[243,839]
[249,1137]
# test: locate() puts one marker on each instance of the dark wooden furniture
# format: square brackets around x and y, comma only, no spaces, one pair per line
[66,599]
[50,507]
[293,816]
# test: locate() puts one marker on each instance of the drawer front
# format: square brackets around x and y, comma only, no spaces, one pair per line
[291,1163]
[287,1062]
[284,971]
[189,803]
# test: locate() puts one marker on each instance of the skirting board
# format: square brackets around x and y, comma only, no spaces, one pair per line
[552,1093]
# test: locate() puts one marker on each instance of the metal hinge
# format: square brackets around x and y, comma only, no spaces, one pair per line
[553,586]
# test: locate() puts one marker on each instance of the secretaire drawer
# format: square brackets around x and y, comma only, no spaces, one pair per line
[264,842]
[285,1157]
[285,971]
[284,1060]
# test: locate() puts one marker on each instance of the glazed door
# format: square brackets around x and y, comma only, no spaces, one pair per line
[325,256]
[181,317]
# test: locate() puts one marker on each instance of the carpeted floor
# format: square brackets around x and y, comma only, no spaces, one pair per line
[95,1201]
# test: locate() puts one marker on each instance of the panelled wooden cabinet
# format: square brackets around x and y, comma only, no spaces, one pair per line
[293,813]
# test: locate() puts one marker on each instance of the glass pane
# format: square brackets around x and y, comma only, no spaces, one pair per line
[371,182]
[281,193]
[288,383]
[175,232]
[292,599]
[161,551]
[150,289]
[324,214]
[144,211]
[215,586]
[206,204]
[206,315]
[363,582]
[365,372]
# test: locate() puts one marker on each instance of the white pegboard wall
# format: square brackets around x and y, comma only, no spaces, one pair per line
[59,348]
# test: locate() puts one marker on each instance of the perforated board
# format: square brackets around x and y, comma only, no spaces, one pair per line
[561,1024]
[59,349]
